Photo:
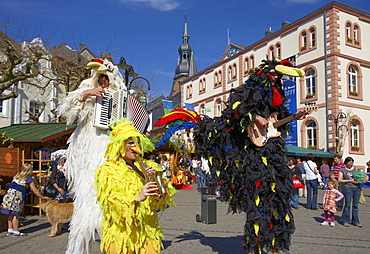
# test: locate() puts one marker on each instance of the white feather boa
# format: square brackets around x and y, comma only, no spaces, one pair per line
[85,154]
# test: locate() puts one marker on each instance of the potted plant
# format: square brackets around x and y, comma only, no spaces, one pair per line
[303,47]
[355,148]
[311,147]
[349,39]
[354,93]
[357,41]
[310,95]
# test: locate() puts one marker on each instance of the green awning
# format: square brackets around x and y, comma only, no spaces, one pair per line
[37,132]
[301,151]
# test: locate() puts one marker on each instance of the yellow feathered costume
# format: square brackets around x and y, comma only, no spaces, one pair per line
[128,226]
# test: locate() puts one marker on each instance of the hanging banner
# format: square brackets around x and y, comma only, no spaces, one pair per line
[189,106]
[291,104]
[167,106]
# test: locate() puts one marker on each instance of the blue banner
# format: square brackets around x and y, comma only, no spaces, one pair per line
[167,106]
[291,104]
[189,106]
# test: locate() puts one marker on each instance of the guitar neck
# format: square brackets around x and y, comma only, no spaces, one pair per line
[288,119]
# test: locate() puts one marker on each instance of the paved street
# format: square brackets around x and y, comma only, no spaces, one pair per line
[184,235]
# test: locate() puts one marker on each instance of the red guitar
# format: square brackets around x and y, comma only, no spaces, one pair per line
[259,136]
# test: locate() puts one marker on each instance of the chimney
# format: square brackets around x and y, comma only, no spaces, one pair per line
[268,33]
[285,24]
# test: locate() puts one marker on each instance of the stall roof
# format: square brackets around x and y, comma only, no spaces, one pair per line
[37,132]
[301,151]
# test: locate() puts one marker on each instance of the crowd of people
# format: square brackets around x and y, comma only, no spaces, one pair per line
[116,195]
[339,184]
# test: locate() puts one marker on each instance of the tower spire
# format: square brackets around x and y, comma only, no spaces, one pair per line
[186,66]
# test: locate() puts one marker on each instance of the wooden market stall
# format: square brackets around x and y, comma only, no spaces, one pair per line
[31,143]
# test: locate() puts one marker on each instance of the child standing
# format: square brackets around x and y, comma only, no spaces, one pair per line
[332,177]
[332,195]
[15,195]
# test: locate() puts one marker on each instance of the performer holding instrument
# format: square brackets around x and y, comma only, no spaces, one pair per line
[87,146]
[247,157]
[129,193]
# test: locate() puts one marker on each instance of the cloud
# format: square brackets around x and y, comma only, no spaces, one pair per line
[160,5]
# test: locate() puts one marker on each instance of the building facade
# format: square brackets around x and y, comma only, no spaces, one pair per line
[33,100]
[330,46]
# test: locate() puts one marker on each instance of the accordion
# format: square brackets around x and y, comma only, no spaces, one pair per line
[119,104]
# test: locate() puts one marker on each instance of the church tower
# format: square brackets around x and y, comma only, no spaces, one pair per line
[186,66]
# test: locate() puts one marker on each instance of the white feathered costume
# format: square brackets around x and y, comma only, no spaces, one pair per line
[86,150]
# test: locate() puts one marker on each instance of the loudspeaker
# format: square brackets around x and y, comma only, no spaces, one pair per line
[208,209]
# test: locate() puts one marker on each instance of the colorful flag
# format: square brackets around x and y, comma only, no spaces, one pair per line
[189,106]
[167,106]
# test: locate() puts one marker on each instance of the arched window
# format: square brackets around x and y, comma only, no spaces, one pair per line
[355,141]
[218,108]
[246,65]
[352,79]
[190,91]
[355,32]
[216,78]
[202,109]
[230,70]
[310,83]
[313,37]
[252,62]
[278,50]
[271,52]
[304,40]
[311,134]
[348,30]
[235,71]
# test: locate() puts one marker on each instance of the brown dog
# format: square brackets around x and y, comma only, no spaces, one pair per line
[57,213]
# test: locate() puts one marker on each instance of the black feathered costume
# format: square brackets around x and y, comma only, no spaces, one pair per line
[253,179]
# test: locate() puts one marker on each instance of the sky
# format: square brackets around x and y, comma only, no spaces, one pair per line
[149,32]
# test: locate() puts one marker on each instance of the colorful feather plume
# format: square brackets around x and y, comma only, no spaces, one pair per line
[177,119]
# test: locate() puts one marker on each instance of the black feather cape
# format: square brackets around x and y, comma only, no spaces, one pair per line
[252,179]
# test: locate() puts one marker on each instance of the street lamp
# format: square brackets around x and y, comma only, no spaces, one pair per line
[332,117]
[129,71]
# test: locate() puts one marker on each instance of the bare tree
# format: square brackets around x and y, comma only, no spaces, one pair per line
[19,63]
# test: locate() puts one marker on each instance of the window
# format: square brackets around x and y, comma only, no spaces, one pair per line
[202,110]
[202,85]
[278,50]
[311,134]
[304,41]
[252,62]
[230,72]
[353,34]
[352,80]
[355,143]
[35,107]
[218,108]
[348,30]
[235,71]
[310,83]
[313,37]
[271,52]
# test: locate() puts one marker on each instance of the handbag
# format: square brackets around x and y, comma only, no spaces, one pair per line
[49,190]
[296,183]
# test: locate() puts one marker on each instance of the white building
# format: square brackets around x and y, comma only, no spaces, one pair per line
[330,45]
[31,98]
